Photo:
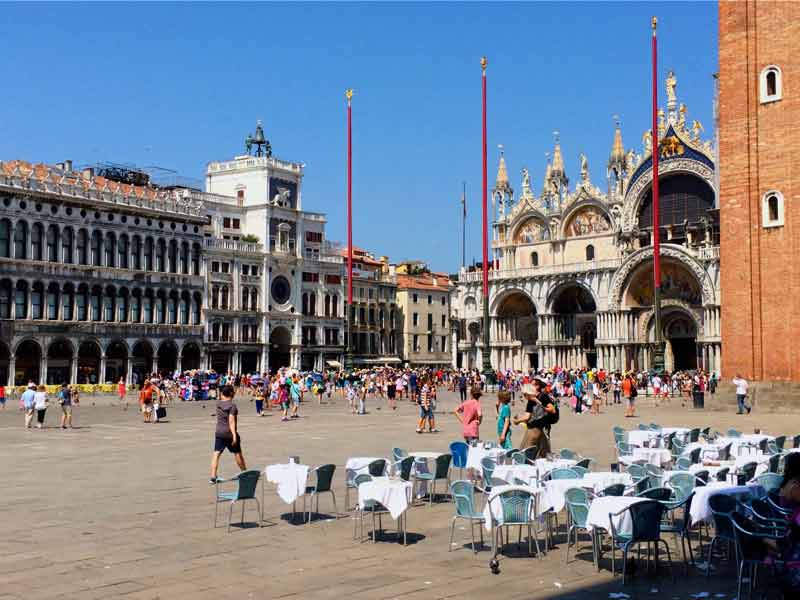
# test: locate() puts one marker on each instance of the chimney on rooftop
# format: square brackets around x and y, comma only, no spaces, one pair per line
[88,173]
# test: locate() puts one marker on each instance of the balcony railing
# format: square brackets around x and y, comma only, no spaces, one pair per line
[249,162]
[587,265]
[233,245]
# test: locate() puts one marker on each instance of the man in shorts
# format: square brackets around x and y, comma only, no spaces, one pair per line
[226,434]
[65,400]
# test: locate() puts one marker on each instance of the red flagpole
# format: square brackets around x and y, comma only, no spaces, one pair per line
[349,95]
[656,218]
[483,190]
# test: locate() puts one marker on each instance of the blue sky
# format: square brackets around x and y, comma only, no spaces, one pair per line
[178,85]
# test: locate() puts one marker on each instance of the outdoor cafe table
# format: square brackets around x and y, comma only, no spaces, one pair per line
[653,456]
[291,479]
[700,510]
[527,473]
[476,454]
[393,494]
[555,490]
[642,437]
[601,508]
[545,465]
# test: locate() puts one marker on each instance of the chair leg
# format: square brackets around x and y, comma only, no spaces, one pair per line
[243,503]
[624,562]
[335,507]
[566,553]
[260,512]
[230,515]
[710,555]
[216,507]
[669,557]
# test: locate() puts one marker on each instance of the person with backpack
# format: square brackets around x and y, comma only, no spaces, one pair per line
[541,413]
[65,400]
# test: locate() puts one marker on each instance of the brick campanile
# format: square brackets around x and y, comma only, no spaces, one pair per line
[759,166]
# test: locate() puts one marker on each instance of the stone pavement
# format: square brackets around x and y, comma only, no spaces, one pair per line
[120,509]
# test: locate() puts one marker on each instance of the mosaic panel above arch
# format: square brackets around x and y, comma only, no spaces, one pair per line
[586,221]
[532,231]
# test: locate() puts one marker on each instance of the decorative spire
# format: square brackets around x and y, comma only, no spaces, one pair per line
[618,148]
[558,160]
[502,172]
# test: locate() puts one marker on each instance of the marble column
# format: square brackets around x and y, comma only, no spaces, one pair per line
[43,369]
[101,376]
[129,371]
[12,365]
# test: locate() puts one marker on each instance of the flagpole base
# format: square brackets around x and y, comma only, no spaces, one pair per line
[657,362]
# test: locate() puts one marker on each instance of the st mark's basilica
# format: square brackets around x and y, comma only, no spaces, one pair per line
[571,278]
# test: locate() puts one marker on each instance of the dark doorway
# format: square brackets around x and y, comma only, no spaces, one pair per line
[279,348]
[167,358]
[248,363]
[89,363]
[685,353]
[59,358]
[220,362]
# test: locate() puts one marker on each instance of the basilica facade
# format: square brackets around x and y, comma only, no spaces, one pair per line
[571,277]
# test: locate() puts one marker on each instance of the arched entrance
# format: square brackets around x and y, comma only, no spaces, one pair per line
[28,362]
[680,334]
[59,361]
[167,357]
[575,326]
[89,363]
[516,332]
[116,361]
[142,361]
[279,348]
[681,295]
[5,361]
[190,356]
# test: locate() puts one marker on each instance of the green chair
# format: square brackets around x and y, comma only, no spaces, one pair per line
[376,509]
[442,471]
[643,427]
[661,494]
[655,474]
[780,442]
[581,471]
[404,468]
[586,463]
[770,481]
[733,433]
[324,475]
[636,471]
[683,463]
[577,501]
[722,474]
[246,485]
[568,454]
[518,458]
[463,493]
[564,474]
[746,473]
[645,529]
[515,508]
[682,528]
[682,486]
[655,427]
[377,468]
[617,489]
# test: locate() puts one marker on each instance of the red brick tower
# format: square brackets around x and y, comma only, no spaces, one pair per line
[759,167]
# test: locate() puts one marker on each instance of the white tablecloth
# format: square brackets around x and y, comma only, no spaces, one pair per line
[493,510]
[701,511]
[394,494]
[679,432]
[526,473]
[639,437]
[290,478]
[600,480]
[546,465]
[425,454]
[477,453]
[653,456]
[743,445]
[601,507]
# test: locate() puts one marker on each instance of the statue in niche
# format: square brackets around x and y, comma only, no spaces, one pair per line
[671,84]
[526,183]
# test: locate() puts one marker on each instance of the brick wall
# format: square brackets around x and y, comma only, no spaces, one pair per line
[759,147]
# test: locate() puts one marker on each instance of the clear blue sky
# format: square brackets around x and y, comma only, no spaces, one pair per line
[180,85]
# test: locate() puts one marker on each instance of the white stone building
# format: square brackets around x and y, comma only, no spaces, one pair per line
[571,280]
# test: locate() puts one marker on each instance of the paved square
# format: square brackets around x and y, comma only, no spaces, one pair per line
[120,509]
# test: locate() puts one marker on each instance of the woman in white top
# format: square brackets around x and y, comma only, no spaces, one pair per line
[40,405]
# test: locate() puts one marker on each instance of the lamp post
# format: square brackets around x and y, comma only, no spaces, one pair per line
[348,356]
[487,370]
[658,346]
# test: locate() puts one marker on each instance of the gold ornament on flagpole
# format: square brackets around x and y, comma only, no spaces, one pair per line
[348,94]
[484,63]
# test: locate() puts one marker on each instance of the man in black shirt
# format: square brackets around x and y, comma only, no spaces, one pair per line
[462,387]
[538,416]
[226,434]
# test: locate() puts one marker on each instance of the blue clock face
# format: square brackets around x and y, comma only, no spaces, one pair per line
[281,289]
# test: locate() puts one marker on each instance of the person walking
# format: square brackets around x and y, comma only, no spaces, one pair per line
[294,394]
[2,397]
[27,401]
[462,387]
[741,394]
[121,391]
[226,433]
[504,420]
[40,404]
[629,392]
[469,414]
[538,417]
[65,400]
[146,400]
[391,393]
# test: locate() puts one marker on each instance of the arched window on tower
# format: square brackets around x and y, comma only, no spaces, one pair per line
[589,252]
[534,259]
[770,84]
[772,209]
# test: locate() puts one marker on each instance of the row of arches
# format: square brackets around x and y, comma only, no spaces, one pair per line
[65,244]
[330,305]
[222,298]
[56,301]
[61,362]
